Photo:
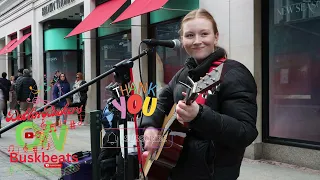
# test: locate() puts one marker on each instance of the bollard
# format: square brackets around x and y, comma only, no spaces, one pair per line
[95,129]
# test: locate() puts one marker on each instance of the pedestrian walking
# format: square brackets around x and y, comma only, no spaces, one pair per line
[27,90]
[59,89]
[7,85]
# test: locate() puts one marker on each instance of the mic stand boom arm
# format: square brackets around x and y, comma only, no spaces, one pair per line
[98,78]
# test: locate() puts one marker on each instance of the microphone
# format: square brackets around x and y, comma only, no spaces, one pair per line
[175,44]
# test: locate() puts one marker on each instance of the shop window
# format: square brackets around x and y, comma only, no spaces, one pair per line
[113,49]
[64,61]
[14,61]
[294,63]
[168,61]
[27,46]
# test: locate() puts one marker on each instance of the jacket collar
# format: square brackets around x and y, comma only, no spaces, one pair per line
[196,71]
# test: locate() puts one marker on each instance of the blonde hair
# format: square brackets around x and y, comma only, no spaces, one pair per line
[197,13]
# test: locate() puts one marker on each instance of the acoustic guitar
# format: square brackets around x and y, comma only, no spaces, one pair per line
[170,155]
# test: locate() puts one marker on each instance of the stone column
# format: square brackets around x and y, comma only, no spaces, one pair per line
[240,35]
[221,13]
[90,60]
[20,51]
[37,56]
[5,56]
[138,33]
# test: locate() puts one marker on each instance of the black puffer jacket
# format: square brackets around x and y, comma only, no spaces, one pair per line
[225,128]
[23,88]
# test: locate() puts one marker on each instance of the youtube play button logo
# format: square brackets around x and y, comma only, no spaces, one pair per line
[28,135]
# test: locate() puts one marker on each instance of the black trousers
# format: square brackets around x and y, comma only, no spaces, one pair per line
[5,109]
[82,115]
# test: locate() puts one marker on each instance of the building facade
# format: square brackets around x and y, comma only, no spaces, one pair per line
[275,40]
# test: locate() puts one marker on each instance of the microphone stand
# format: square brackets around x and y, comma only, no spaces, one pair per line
[116,68]
[124,63]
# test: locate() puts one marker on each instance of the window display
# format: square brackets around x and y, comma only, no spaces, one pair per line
[294,60]
[168,61]
[113,49]
[63,61]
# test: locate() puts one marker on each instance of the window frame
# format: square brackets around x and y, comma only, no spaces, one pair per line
[152,57]
[98,44]
[266,138]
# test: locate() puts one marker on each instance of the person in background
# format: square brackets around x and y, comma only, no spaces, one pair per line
[59,89]
[7,85]
[19,75]
[55,78]
[12,95]
[26,90]
[79,99]
[2,102]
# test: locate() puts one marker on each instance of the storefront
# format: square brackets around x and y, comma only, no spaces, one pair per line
[113,46]
[292,105]
[276,40]
[64,55]
[35,40]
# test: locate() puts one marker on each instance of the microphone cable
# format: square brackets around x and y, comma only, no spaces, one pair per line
[141,114]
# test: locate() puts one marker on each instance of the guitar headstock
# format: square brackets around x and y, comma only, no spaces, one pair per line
[205,83]
[210,79]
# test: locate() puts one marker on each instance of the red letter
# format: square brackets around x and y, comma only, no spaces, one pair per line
[75,158]
[54,158]
[15,157]
[134,104]
[45,156]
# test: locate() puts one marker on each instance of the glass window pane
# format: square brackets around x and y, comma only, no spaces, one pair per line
[113,49]
[168,61]
[294,61]
[65,62]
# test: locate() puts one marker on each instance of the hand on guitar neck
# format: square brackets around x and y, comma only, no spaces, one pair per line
[186,112]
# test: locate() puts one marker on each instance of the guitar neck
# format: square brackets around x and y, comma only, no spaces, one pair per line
[190,97]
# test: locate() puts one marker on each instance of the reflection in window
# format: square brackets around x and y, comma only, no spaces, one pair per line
[113,49]
[168,61]
[14,61]
[294,62]
[64,61]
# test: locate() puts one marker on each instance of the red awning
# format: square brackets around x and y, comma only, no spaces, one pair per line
[139,7]
[23,38]
[97,17]
[5,48]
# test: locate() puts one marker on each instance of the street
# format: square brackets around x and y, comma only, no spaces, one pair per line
[78,139]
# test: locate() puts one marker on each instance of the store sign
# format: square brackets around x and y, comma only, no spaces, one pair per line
[57,4]
[299,7]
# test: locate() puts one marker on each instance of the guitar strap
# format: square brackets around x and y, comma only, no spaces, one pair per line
[200,99]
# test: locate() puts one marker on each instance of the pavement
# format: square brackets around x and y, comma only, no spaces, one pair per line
[78,139]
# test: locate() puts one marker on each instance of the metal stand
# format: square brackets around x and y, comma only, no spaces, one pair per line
[122,76]
[98,78]
[117,68]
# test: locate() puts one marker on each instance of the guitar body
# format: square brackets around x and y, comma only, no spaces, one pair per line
[168,153]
